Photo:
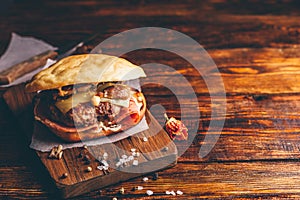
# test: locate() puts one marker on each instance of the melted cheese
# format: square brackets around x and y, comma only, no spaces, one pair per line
[66,104]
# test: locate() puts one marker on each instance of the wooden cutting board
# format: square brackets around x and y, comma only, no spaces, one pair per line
[158,153]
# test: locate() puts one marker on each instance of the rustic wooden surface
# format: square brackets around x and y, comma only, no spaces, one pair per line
[256,48]
[153,156]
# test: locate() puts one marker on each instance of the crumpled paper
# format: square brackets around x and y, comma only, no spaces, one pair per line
[23,48]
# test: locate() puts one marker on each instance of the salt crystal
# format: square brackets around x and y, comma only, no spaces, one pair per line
[145,179]
[132,149]
[168,192]
[130,158]
[149,192]
[179,192]
[100,167]
[135,154]
[124,156]
[145,139]
[173,193]
[140,187]
[135,163]
[118,164]
[104,162]
[105,167]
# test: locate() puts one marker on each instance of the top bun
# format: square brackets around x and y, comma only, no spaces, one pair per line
[85,68]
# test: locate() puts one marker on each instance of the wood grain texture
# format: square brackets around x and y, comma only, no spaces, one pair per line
[79,180]
[207,180]
[255,46]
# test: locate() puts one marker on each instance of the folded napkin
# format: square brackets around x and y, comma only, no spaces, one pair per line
[23,48]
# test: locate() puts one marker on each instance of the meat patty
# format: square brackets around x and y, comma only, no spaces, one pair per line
[85,114]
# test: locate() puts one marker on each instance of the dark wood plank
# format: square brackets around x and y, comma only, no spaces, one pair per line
[207,180]
[79,180]
[256,47]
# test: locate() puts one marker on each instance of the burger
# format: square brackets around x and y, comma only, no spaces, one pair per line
[88,96]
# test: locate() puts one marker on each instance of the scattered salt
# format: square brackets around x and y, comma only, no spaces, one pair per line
[173,193]
[149,192]
[130,158]
[140,187]
[179,192]
[135,163]
[145,179]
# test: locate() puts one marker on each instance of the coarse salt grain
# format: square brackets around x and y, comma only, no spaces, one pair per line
[145,139]
[173,193]
[149,192]
[124,156]
[100,167]
[135,163]
[118,164]
[145,179]
[104,162]
[179,192]
[140,187]
[130,158]
[132,149]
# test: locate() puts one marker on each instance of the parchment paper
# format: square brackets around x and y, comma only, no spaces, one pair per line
[43,140]
[20,49]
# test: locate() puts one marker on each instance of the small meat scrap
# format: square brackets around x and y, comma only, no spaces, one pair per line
[176,129]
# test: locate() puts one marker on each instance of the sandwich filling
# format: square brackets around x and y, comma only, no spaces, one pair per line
[83,105]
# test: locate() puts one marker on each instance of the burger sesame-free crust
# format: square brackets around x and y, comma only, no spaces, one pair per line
[84,68]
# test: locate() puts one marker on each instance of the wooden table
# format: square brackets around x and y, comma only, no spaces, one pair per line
[256,48]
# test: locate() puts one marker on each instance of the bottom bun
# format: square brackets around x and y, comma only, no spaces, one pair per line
[77,134]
